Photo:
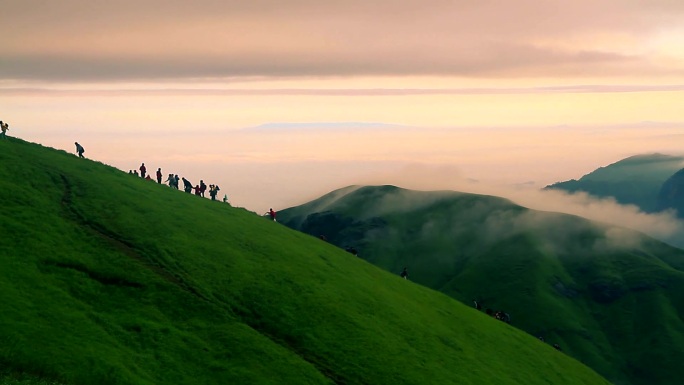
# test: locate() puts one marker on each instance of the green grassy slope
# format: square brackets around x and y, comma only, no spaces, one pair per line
[109,279]
[611,297]
[635,180]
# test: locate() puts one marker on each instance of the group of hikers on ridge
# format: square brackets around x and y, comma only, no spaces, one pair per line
[498,314]
[173,181]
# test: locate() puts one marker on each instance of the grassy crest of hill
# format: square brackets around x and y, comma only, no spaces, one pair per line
[635,180]
[611,297]
[110,279]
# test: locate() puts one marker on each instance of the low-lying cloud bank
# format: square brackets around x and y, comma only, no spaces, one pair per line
[662,226]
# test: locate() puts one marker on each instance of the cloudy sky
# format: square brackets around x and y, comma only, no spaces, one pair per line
[280,101]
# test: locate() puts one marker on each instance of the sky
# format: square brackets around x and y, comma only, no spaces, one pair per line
[279,102]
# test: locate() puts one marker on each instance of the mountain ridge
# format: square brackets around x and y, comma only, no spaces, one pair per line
[559,276]
[634,180]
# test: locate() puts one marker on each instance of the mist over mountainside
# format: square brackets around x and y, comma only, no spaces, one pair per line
[613,296]
[111,279]
[636,180]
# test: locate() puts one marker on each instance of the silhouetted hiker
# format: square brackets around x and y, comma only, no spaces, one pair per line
[130,172]
[176,181]
[557,347]
[148,178]
[272,214]
[5,128]
[477,305]
[203,187]
[404,274]
[159,175]
[225,198]
[80,150]
[213,190]
[143,170]
[187,186]
[353,251]
[198,190]
[135,172]
[171,180]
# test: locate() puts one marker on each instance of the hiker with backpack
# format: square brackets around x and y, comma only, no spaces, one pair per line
[5,128]
[187,186]
[213,190]
[478,305]
[80,150]
[171,180]
[203,188]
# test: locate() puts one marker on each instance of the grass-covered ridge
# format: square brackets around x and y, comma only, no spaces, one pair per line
[611,297]
[110,279]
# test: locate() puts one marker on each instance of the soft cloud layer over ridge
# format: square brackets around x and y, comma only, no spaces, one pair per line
[86,40]
[663,226]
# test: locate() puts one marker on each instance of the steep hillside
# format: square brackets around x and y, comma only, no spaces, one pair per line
[611,297]
[635,180]
[110,279]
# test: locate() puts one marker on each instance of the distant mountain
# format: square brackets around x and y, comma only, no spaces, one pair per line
[109,279]
[286,126]
[611,297]
[636,180]
[672,194]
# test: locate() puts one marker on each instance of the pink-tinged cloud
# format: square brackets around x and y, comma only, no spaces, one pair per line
[574,89]
[171,39]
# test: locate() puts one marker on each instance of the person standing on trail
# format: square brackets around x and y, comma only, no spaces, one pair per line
[80,150]
[198,190]
[478,305]
[177,179]
[5,128]
[143,170]
[159,175]
[171,180]
[203,188]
